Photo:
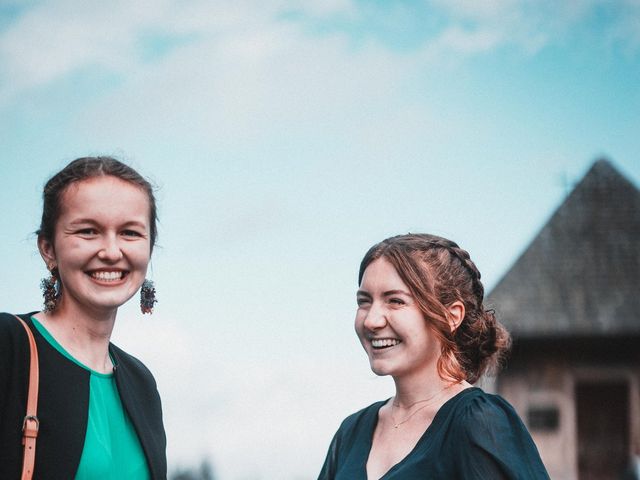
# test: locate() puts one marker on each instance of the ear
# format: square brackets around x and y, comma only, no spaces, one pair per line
[456,314]
[47,252]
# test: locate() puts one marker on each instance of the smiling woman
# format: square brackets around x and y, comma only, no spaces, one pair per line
[100,247]
[421,320]
[99,410]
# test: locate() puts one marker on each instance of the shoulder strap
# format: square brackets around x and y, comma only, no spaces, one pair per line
[30,424]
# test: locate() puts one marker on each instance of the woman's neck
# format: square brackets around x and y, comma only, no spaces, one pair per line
[425,389]
[84,335]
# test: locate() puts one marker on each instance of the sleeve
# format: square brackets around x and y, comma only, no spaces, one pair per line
[494,443]
[4,371]
[328,471]
[5,351]
[141,400]
[13,373]
[10,330]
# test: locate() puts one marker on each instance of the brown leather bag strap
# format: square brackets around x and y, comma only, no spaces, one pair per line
[30,424]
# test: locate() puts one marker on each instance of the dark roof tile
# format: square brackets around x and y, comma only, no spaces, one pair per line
[580,275]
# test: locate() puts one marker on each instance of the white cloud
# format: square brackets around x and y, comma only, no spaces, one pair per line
[56,38]
[532,25]
[626,31]
[243,86]
[52,40]
[458,41]
[322,8]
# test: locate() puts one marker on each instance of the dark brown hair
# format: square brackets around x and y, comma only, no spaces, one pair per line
[82,169]
[438,272]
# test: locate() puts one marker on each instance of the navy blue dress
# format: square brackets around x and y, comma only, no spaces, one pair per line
[473,436]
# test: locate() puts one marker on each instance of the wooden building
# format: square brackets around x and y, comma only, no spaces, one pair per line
[572,305]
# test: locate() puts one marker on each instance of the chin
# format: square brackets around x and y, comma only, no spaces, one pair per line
[110,303]
[380,370]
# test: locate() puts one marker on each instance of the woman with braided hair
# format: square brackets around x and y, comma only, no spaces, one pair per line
[421,319]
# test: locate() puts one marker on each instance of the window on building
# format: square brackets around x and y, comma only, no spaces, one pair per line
[543,418]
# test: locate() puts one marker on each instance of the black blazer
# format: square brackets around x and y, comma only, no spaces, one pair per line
[63,405]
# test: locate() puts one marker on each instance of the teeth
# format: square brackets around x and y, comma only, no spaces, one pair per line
[384,342]
[107,276]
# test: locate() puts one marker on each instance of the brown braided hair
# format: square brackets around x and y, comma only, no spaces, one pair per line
[438,272]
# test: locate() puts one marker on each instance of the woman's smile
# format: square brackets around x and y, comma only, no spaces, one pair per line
[108,276]
[384,343]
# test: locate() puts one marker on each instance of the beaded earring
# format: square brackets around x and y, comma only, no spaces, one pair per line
[50,291]
[147,296]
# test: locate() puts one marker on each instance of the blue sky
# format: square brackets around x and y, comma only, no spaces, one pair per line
[287,137]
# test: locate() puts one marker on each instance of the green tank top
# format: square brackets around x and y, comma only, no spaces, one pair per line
[111,449]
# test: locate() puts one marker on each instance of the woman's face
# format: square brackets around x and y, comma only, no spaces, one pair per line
[101,245]
[391,327]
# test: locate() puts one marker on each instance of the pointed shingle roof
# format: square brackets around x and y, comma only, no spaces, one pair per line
[581,275]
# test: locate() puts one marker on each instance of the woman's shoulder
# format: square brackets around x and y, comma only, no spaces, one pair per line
[8,323]
[124,360]
[9,319]
[10,327]
[476,416]
[475,405]
[362,417]
[490,438]
[133,378]
[366,412]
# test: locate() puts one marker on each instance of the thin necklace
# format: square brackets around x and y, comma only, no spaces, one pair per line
[396,425]
[428,399]
[431,397]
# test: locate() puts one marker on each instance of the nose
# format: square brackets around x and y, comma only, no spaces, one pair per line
[376,318]
[110,251]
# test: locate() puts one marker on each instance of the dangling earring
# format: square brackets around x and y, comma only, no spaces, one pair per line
[147,296]
[50,291]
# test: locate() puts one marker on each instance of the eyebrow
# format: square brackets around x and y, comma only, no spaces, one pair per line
[134,223]
[385,294]
[90,221]
[396,292]
[81,221]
